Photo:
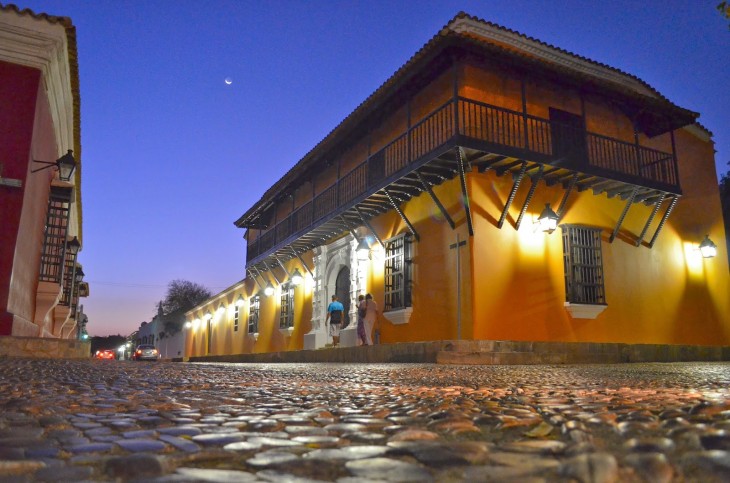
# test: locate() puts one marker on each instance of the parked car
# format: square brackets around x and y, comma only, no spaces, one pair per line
[146,352]
[107,354]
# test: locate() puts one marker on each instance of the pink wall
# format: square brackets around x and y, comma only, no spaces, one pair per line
[26,132]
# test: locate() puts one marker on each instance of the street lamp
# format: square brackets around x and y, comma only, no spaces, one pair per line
[296,277]
[548,219]
[708,248]
[66,165]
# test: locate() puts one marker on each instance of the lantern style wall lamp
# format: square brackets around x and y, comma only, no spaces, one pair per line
[66,165]
[548,219]
[240,301]
[269,290]
[363,249]
[73,246]
[708,248]
[296,277]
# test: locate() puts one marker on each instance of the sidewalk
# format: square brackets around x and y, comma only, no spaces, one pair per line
[489,352]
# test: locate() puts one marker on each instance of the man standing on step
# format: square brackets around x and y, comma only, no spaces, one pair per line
[335,314]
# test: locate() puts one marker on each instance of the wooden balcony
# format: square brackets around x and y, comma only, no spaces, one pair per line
[490,137]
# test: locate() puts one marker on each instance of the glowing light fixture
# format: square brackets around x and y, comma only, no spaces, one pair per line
[708,248]
[207,316]
[269,290]
[296,277]
[188,325]
[548,219]
[363,249]
[221,310]
[240,301]
[66,165]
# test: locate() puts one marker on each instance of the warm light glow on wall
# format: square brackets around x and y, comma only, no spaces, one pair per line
[693,259]
[309,282]
[196,323]
[531,240]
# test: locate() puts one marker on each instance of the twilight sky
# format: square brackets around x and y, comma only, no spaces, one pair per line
[172,155]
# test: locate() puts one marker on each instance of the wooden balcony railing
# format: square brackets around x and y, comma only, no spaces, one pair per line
[489,128]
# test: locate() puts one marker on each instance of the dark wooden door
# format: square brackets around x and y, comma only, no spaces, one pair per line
[342,290]
[568,137]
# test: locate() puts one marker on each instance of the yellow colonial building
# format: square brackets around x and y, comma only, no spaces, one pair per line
[494,188]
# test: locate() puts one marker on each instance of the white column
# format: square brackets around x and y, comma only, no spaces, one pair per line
[317,336]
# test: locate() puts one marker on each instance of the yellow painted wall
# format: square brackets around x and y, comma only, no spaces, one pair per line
[225,340]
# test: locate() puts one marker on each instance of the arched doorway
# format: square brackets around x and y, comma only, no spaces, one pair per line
[342,290]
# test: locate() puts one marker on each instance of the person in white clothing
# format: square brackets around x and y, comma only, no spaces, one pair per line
[371,316]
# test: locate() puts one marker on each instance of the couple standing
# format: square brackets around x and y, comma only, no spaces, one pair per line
[367,314]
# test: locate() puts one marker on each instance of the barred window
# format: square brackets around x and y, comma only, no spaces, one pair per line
[583,263]
[286,316]
[253,314]
[236,316]
[54,239]
[398,272]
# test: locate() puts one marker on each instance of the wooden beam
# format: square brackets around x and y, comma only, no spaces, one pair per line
[402,215]
[536,179]
[663,221]
[561,208]
[623,215]
[302,261]
[428,189]
[651,218]
[464,192]
[366,223]
[512,194]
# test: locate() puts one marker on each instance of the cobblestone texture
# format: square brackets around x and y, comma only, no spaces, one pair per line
[125,421]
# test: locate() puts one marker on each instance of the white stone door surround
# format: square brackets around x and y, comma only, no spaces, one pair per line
[328,261]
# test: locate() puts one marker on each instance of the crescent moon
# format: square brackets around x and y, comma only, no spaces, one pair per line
[229,81]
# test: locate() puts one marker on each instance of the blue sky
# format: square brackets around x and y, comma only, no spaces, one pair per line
[172,155]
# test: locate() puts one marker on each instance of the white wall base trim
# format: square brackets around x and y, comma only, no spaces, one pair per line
[584,311]
[399,317]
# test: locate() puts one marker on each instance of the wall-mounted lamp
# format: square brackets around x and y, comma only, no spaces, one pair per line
[221,310]
[208,316]
[188,325]
[73,246]
[708,248]
[548,219]
[296,277]
[363,249]
[79,275]
[269,290]
[240,301]
[66,165]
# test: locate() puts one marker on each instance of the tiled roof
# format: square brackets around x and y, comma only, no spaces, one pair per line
[73,66]
[444,38]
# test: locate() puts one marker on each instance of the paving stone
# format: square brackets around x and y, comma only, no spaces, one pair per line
[180,443]
[63,474]
[271,458]
[593,468]
[651,467]
[388,469]
[141,445]
[134,466]
[202,474]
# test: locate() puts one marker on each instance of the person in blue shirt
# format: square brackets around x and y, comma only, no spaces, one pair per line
[335,314]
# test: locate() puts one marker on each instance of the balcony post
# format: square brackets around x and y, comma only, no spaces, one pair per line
[456,96]
[525,137]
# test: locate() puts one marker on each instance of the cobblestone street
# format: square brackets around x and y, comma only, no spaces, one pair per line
[131,421]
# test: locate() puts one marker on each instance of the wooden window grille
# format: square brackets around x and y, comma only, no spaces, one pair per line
[236,317]
[54,239]
[583,262]
[254,305]
[286,316]
[398,272]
